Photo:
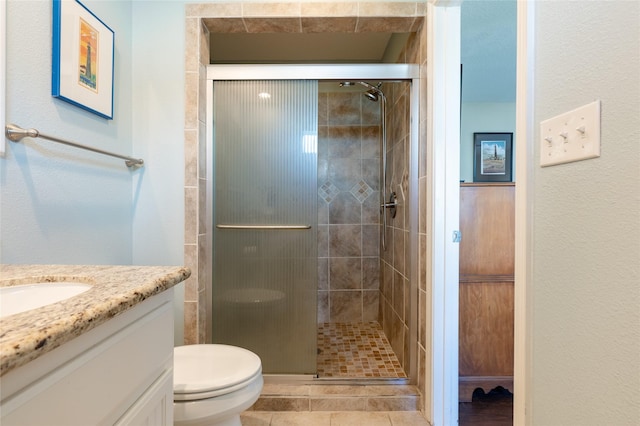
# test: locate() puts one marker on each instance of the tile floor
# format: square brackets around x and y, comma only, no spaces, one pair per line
[356,350]
[336,418]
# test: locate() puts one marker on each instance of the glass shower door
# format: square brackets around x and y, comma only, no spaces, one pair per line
[265,216]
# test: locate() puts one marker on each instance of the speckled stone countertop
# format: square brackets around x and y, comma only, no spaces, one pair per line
[27,335]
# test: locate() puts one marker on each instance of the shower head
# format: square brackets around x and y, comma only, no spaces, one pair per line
[373,94]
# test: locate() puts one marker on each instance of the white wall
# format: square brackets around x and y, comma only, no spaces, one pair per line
[586,236]
[488,117]
[59,204]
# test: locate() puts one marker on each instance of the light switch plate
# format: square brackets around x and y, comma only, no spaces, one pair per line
[572,136]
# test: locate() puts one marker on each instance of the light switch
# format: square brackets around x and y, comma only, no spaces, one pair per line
[572,136]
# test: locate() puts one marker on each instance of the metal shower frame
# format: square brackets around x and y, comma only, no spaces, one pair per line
[338,72]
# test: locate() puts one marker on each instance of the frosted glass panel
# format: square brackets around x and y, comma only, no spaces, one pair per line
[264,280]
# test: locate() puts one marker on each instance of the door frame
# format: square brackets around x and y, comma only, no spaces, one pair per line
[443,52]
[443,206]
[525,131]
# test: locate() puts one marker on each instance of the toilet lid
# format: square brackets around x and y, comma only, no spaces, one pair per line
[206,368]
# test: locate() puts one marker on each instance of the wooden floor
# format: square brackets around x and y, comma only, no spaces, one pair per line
[492,409]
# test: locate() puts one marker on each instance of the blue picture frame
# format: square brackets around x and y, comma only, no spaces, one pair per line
[83,58]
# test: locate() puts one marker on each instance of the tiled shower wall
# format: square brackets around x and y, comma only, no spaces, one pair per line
[202,18]
[394,288]
[348,200]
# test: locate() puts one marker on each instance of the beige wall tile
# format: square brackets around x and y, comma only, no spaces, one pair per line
[338,404]
[202,207]
[202,93]
[275,25]
[271,10]
[329,25]
[227,10]
[190,215]
[190,323]
[191,100]
[252,418]
[407,418]
[387,9]
[202,152]
[329,9]
[203,271]
[281,404]
[191,283]
[384,24]
[270,389]
[203,44]
[395,390]
[346,305]
[400,403]
[190,157]
[191,45]
[225,25]
[344,390]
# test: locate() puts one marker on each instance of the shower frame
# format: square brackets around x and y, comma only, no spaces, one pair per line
[338,72]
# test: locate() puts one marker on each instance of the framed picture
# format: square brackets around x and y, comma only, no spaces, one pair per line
[492,153]
[83,48]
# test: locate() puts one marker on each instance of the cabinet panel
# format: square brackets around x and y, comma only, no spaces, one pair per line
[99,384]
[155,407]
[487,223]
[486,329]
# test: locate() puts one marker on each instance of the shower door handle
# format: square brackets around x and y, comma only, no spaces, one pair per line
[268,227]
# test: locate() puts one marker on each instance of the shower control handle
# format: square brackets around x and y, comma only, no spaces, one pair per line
[392,205]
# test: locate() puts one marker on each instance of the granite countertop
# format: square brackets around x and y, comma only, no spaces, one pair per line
[27,335]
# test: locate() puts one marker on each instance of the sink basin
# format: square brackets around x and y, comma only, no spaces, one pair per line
[21,298]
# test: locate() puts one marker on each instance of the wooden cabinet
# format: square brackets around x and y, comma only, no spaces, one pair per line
[487,223]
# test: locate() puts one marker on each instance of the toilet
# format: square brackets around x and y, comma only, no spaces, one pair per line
[213,384]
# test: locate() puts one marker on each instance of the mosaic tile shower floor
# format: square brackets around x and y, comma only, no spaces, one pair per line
[356,350]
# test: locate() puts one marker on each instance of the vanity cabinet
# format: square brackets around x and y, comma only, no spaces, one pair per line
[120,372]
[487,223]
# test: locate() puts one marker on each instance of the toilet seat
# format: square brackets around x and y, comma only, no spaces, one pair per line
[207,371]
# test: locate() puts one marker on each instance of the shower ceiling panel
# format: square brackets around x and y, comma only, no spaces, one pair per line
[280,48]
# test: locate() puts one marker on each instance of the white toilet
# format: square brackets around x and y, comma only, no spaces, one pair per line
[213,384]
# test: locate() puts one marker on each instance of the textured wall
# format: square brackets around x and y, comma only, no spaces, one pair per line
[61,204]
[586,292]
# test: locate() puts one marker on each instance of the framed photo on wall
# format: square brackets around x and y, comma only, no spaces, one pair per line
[492,157]
[83,48]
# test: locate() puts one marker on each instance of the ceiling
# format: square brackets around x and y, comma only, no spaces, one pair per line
[488,40]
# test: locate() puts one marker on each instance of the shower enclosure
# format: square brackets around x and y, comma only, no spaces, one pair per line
[275,236]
